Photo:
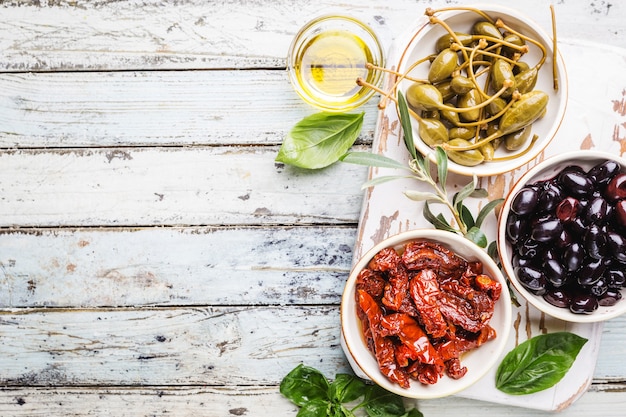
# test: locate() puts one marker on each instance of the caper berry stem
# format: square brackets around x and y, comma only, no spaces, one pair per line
[460,47]
[489,119]
[517,155]
[505,86]
[500,24]
[361,82]
[369,65]
[400,76]
[431,12]
[474,145]
[554,50]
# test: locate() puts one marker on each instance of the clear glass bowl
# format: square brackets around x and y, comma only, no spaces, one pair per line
[328,55]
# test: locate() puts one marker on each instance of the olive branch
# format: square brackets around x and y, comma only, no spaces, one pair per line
[419,168]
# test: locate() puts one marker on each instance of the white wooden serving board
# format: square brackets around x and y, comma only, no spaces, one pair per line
[595,119]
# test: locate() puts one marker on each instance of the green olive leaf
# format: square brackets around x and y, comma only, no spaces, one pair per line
[466,216]
[479,193]
[487,208]
[304,384]
[477,236]
[381,180]
[438,221]
[371,159]
[405,121]
[465,192]
[346,388]
[320,139]
[420,195]
[538,363]
[442,166]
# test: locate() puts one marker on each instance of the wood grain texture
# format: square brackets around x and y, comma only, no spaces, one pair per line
[195,34]
[172,186]
[148,108]
[216,266]
[211,346]
[214,346]
[247,401]
[154,259]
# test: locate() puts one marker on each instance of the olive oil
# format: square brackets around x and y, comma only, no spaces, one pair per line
[329,64]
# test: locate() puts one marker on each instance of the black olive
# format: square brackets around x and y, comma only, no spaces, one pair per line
[604,171]
[532,279]
[596,243]
[591,272]
[525,201]
[577,183]
[610,297]
[558,297]
[583,304]
[547,230]
[617,244]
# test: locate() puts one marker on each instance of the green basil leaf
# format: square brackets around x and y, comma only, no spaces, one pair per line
[482,214]
[315,408]
[346,388]
[405,121]
[414,412]
[320,139]
[381,403]
[477,236]
[304,384]
[442,166]
[538,363]
[371,159]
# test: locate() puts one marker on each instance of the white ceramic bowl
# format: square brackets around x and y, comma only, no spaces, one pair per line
[421,42]
[547,169]
[477,361]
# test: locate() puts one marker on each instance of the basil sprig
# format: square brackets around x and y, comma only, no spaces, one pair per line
[538,363]
[309,389]
[320,139]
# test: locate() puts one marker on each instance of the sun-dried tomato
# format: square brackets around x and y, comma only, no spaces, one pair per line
[425,293]
[383,346]
[422,308]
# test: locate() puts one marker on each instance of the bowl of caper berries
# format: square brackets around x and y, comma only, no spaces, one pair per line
[486,84]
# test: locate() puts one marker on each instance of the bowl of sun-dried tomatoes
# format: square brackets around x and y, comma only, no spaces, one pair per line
[425,314]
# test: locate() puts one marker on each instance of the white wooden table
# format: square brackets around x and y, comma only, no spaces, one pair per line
[154,259]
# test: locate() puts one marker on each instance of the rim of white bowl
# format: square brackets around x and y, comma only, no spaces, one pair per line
[544,170]
[495,168]
[353,338]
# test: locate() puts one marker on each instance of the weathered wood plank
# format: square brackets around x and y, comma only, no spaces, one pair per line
[250,401]
[191,346]
[195,34]
[185,346]
[152,108]
[174,266]
[172,186]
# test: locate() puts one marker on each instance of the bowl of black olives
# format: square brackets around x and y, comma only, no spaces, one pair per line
[562,236]
[486,83]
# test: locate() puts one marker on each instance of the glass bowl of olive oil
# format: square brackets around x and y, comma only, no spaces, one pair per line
[328,55]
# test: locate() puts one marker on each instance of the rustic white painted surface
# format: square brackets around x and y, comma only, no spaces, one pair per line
[154,259]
